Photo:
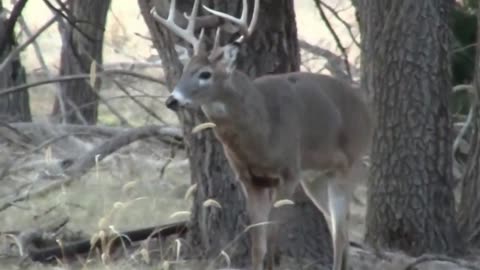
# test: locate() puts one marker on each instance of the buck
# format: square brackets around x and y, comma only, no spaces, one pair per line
[277,131]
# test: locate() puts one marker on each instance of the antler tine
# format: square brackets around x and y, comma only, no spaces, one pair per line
[253,22]
[193,15]
[242,22]
[188,33]
[216,43]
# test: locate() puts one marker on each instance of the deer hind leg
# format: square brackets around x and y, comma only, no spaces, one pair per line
[259,203]
[332,200]
[338,204]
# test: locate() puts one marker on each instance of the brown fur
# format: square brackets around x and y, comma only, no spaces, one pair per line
[277,131]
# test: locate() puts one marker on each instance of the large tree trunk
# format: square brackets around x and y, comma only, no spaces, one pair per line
[405,65]
[82,44]
[470,201]
[14,106]
[272,49]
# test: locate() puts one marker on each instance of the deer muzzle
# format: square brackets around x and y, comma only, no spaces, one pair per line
[172,103]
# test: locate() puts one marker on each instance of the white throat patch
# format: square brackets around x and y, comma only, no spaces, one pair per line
[215,109]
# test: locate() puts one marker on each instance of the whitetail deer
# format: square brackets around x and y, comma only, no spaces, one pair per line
[277,130]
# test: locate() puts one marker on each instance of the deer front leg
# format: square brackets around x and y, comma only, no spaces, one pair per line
[259,203]
[284,191]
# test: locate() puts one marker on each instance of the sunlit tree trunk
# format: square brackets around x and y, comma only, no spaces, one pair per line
[405,63]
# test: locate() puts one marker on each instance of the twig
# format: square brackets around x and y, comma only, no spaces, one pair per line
[167,162]
[80,77]
[24,45]
[42,62]
[340,19]
[333,60]
[139,103]
[468,122]
[335,36]
[156,97]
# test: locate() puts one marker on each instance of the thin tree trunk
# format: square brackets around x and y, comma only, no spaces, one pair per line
[405,65]
[14,107]
[82,44]
[470,201]
[273,49]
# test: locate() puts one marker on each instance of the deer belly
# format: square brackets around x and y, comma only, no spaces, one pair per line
[264,179]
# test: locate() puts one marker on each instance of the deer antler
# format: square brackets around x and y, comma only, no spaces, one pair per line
[188,33]
[241,22]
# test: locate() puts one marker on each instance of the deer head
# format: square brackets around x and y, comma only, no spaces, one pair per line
[207,70]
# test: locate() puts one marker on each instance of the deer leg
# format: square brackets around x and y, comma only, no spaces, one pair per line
[338,204]
[316,186]
[283,192]
[259,203]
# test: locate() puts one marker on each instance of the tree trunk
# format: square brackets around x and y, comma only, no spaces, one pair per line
[272,49]
[82,38]
[14,107]
[405,65]
[470,201]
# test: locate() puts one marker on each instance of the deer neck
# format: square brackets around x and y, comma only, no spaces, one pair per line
[240,109]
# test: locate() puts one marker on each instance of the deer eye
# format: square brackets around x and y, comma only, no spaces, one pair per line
[205,75]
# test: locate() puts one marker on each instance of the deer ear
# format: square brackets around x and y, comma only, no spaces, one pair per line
[230,53]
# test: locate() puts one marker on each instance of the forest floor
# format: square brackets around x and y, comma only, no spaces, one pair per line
[140,185]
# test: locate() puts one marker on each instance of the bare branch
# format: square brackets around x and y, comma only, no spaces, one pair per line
[334,62]
[335,36]
[81,77]
[14,53]
[138,102]
[341,20]
[42,62]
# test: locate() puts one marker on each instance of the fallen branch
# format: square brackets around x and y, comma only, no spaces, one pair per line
[87,160]
[440,258]
[75,168]
[37,248]
[37,132]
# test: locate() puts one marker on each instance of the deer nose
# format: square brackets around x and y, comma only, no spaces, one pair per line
[172,103]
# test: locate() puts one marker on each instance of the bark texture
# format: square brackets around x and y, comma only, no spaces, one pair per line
[273,48]
[405,65]
[470,201]
[14,107]
[82,44]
